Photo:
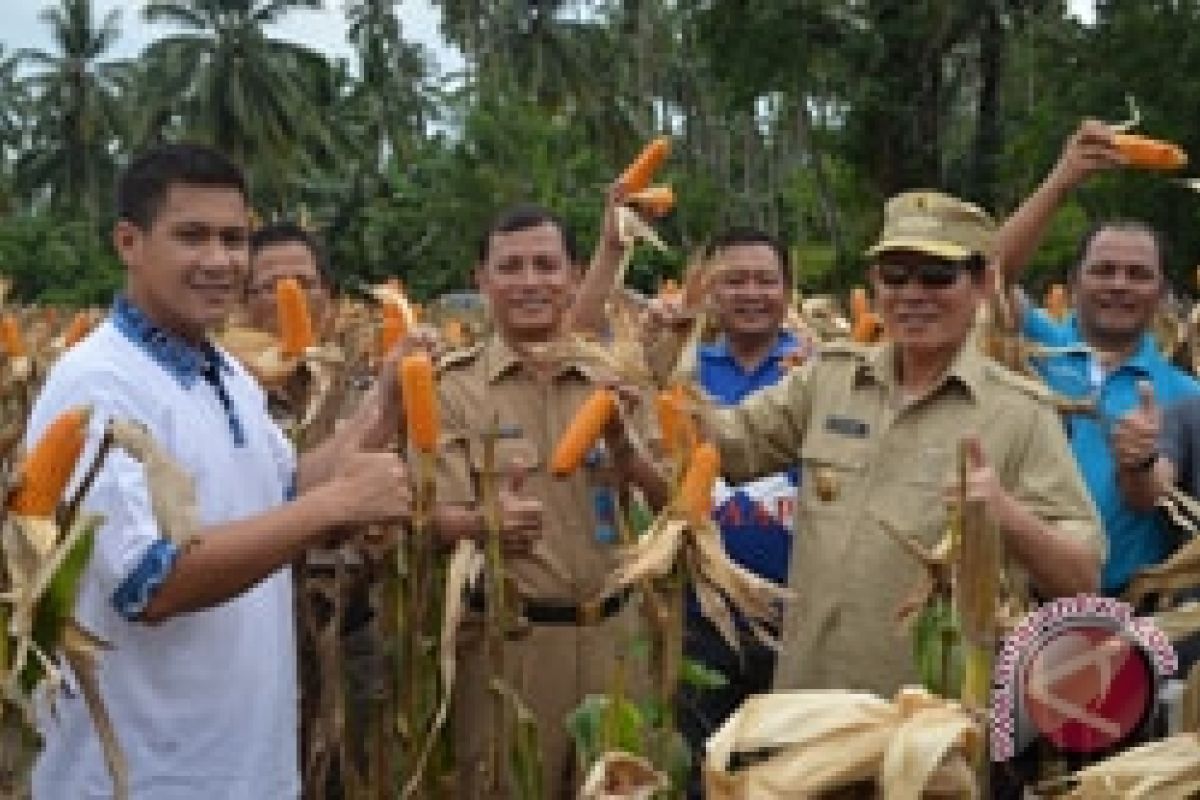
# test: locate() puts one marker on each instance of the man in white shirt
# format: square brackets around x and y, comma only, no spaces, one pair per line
[201,678]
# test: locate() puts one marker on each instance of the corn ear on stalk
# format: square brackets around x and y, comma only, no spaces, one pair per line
[49,465]
[295,322]
[420,401]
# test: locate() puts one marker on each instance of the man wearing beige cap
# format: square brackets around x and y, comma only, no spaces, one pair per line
[877,430]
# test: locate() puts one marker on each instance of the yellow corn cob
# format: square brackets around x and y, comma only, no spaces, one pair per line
[295,323]
[583,431]
[11,339]
[48,467]
[79,327]
[420,401]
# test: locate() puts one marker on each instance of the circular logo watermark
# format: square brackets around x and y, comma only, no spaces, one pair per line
[1082,673]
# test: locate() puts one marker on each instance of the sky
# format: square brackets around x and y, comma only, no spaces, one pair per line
[323,30]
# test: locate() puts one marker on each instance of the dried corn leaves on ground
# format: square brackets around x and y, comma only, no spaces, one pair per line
[804,744]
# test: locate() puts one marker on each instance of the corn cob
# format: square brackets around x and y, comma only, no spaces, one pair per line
[295,323]
[79,327]
[420,401]
[392,328]
[584,430]
[637,176]
[49,465]
[1056,301]
[696,490]
[11,339]
[1147,153]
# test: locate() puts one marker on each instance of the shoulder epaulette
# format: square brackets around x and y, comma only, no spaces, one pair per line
[1026,385]
[458,357]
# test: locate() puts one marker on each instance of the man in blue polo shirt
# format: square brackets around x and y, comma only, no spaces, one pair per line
[750,295]
[1117,283]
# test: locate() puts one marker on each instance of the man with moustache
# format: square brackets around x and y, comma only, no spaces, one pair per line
[559,533]
[877,431]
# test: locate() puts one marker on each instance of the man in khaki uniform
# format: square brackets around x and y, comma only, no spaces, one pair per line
[877,431]
[561,545]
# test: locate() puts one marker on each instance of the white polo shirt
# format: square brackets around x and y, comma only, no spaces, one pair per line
[204,704]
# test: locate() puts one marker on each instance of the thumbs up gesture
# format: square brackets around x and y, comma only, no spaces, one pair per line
[1135,436]
[983,484]
[520,515]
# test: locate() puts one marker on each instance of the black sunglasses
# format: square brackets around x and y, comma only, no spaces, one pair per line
[930,274]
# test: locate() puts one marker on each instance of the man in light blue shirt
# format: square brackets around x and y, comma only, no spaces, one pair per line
[1118,283]
[200,681]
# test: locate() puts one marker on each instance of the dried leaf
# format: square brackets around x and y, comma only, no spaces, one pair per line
[621,776]
[172,489]
[1168,769]
[807,743]
[465,566]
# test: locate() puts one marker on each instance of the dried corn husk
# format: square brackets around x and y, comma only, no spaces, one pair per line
[172,489]
[1180,571]
[1179,622]
[816,742]
[621,776]
[718,582]
[465,566]
[1168,769]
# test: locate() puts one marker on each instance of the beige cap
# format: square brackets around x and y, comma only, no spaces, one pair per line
[936,224]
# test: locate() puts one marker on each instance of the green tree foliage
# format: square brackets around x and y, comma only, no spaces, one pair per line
[798,116]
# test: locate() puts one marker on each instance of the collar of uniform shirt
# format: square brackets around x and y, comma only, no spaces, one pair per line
[967,369]
[179,358]
[502,359]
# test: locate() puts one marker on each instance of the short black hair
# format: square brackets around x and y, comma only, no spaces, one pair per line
[1127,226]
[522,217]
[743,235]
[289,232]
[143,185]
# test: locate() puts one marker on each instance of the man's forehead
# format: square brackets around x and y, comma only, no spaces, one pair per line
[747,256]
[217,205]
[1124,246]
[285,255]
[538,239]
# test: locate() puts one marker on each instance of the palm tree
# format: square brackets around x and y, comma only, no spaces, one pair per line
[223,80]
[76,122]
[391,92]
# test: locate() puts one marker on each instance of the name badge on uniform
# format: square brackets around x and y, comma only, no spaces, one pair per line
[847,426]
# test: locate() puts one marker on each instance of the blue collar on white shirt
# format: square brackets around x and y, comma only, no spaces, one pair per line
[183,360]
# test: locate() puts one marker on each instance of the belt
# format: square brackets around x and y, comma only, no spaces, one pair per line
[578,614]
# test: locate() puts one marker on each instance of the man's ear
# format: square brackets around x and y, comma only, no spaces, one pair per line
[127,241]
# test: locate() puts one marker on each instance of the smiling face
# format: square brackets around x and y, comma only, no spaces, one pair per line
[1118,286]
[529,281]
[749,290]
[921,317]
[185,268]
[272,263]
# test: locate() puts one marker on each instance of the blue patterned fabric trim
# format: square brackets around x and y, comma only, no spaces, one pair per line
[181,359]
[133,595]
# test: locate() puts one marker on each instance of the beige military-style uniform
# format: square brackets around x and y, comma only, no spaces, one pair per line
[550,667]
[870,459]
